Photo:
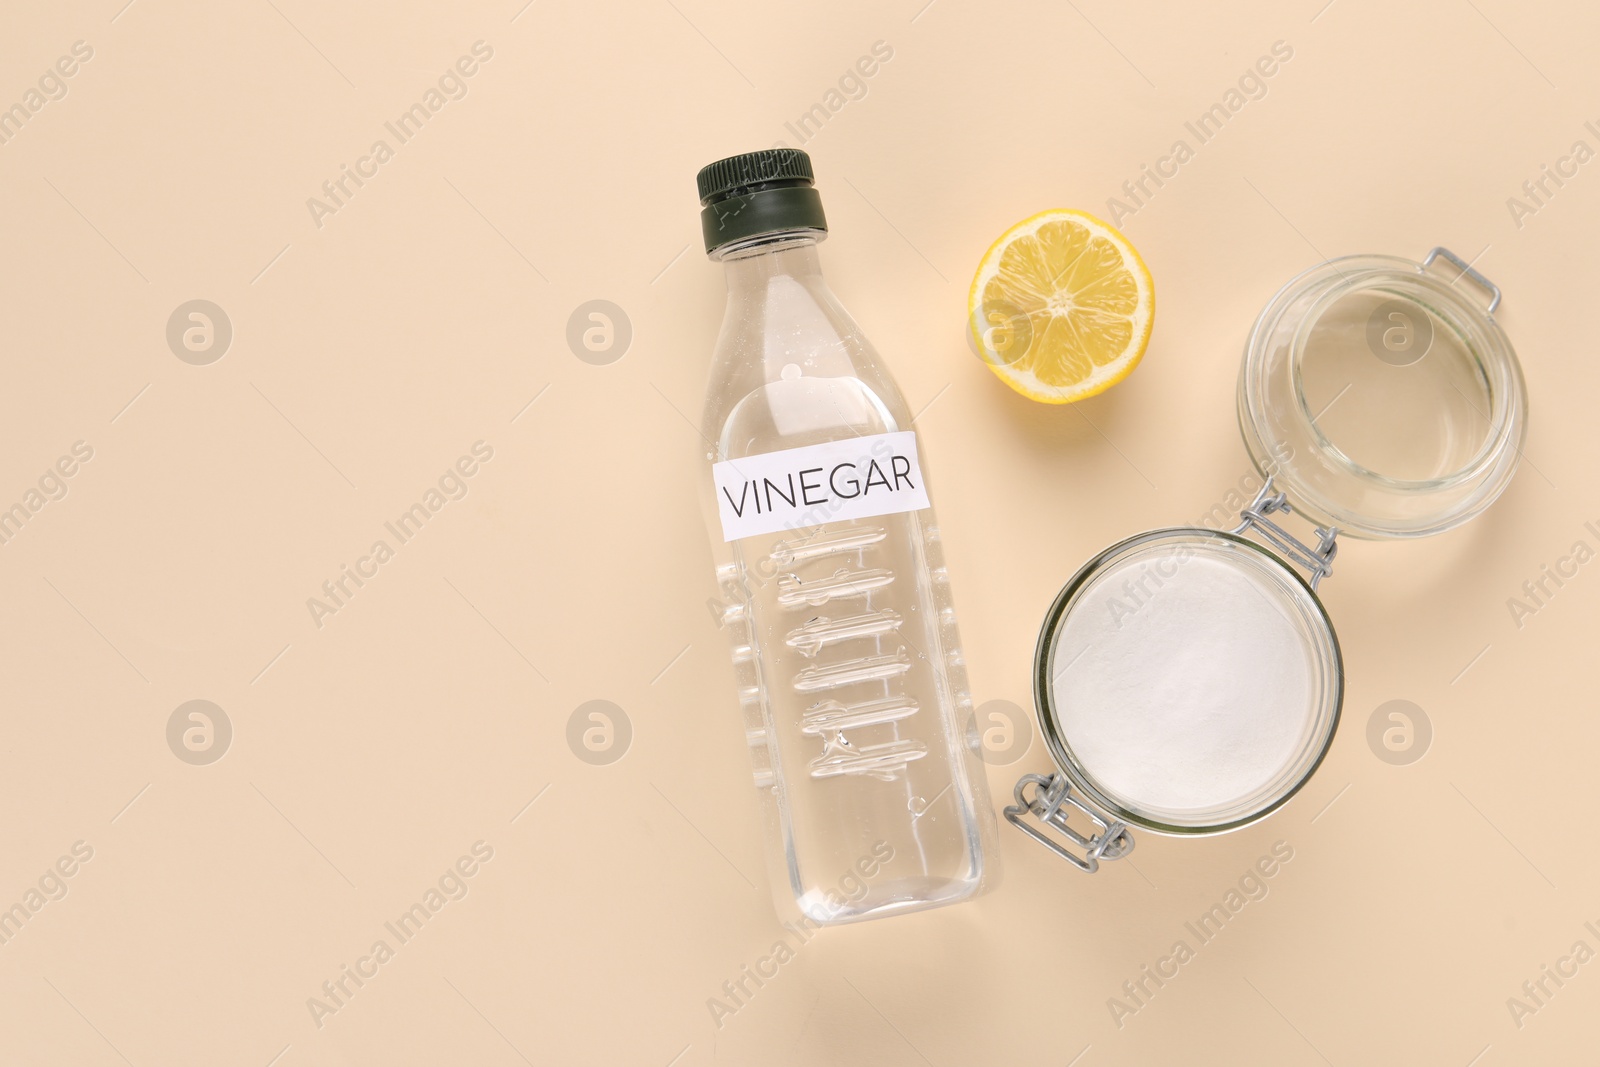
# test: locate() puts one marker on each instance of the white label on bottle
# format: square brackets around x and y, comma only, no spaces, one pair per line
[858,478]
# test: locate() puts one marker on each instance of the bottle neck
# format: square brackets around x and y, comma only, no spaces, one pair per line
[750,265]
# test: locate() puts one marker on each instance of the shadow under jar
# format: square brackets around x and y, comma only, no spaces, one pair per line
[1188,681]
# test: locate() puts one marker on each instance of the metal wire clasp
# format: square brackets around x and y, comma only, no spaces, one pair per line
[1052,804]
[1467,270]
[1317,561]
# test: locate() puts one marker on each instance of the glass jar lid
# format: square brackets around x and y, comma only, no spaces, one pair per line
[1382,397]
[1188,681]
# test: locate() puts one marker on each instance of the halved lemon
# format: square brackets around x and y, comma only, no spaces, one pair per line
[1061,307]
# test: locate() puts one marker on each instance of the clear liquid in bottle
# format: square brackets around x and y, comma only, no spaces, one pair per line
[832,582]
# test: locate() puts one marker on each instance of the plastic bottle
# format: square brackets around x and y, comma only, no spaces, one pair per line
[832,585]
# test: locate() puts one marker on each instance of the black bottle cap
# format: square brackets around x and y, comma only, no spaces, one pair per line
[758,193]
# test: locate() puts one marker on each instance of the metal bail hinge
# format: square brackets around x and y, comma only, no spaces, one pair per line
[1316,561]
[1467,271]
[1052,803]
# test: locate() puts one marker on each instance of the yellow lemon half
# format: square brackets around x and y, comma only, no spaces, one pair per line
[1061,307]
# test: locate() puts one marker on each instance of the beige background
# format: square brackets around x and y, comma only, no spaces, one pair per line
[371,752]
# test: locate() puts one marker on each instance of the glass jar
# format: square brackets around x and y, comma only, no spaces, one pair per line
[1188,681]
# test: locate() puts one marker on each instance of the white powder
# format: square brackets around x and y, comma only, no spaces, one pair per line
[1184,683]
